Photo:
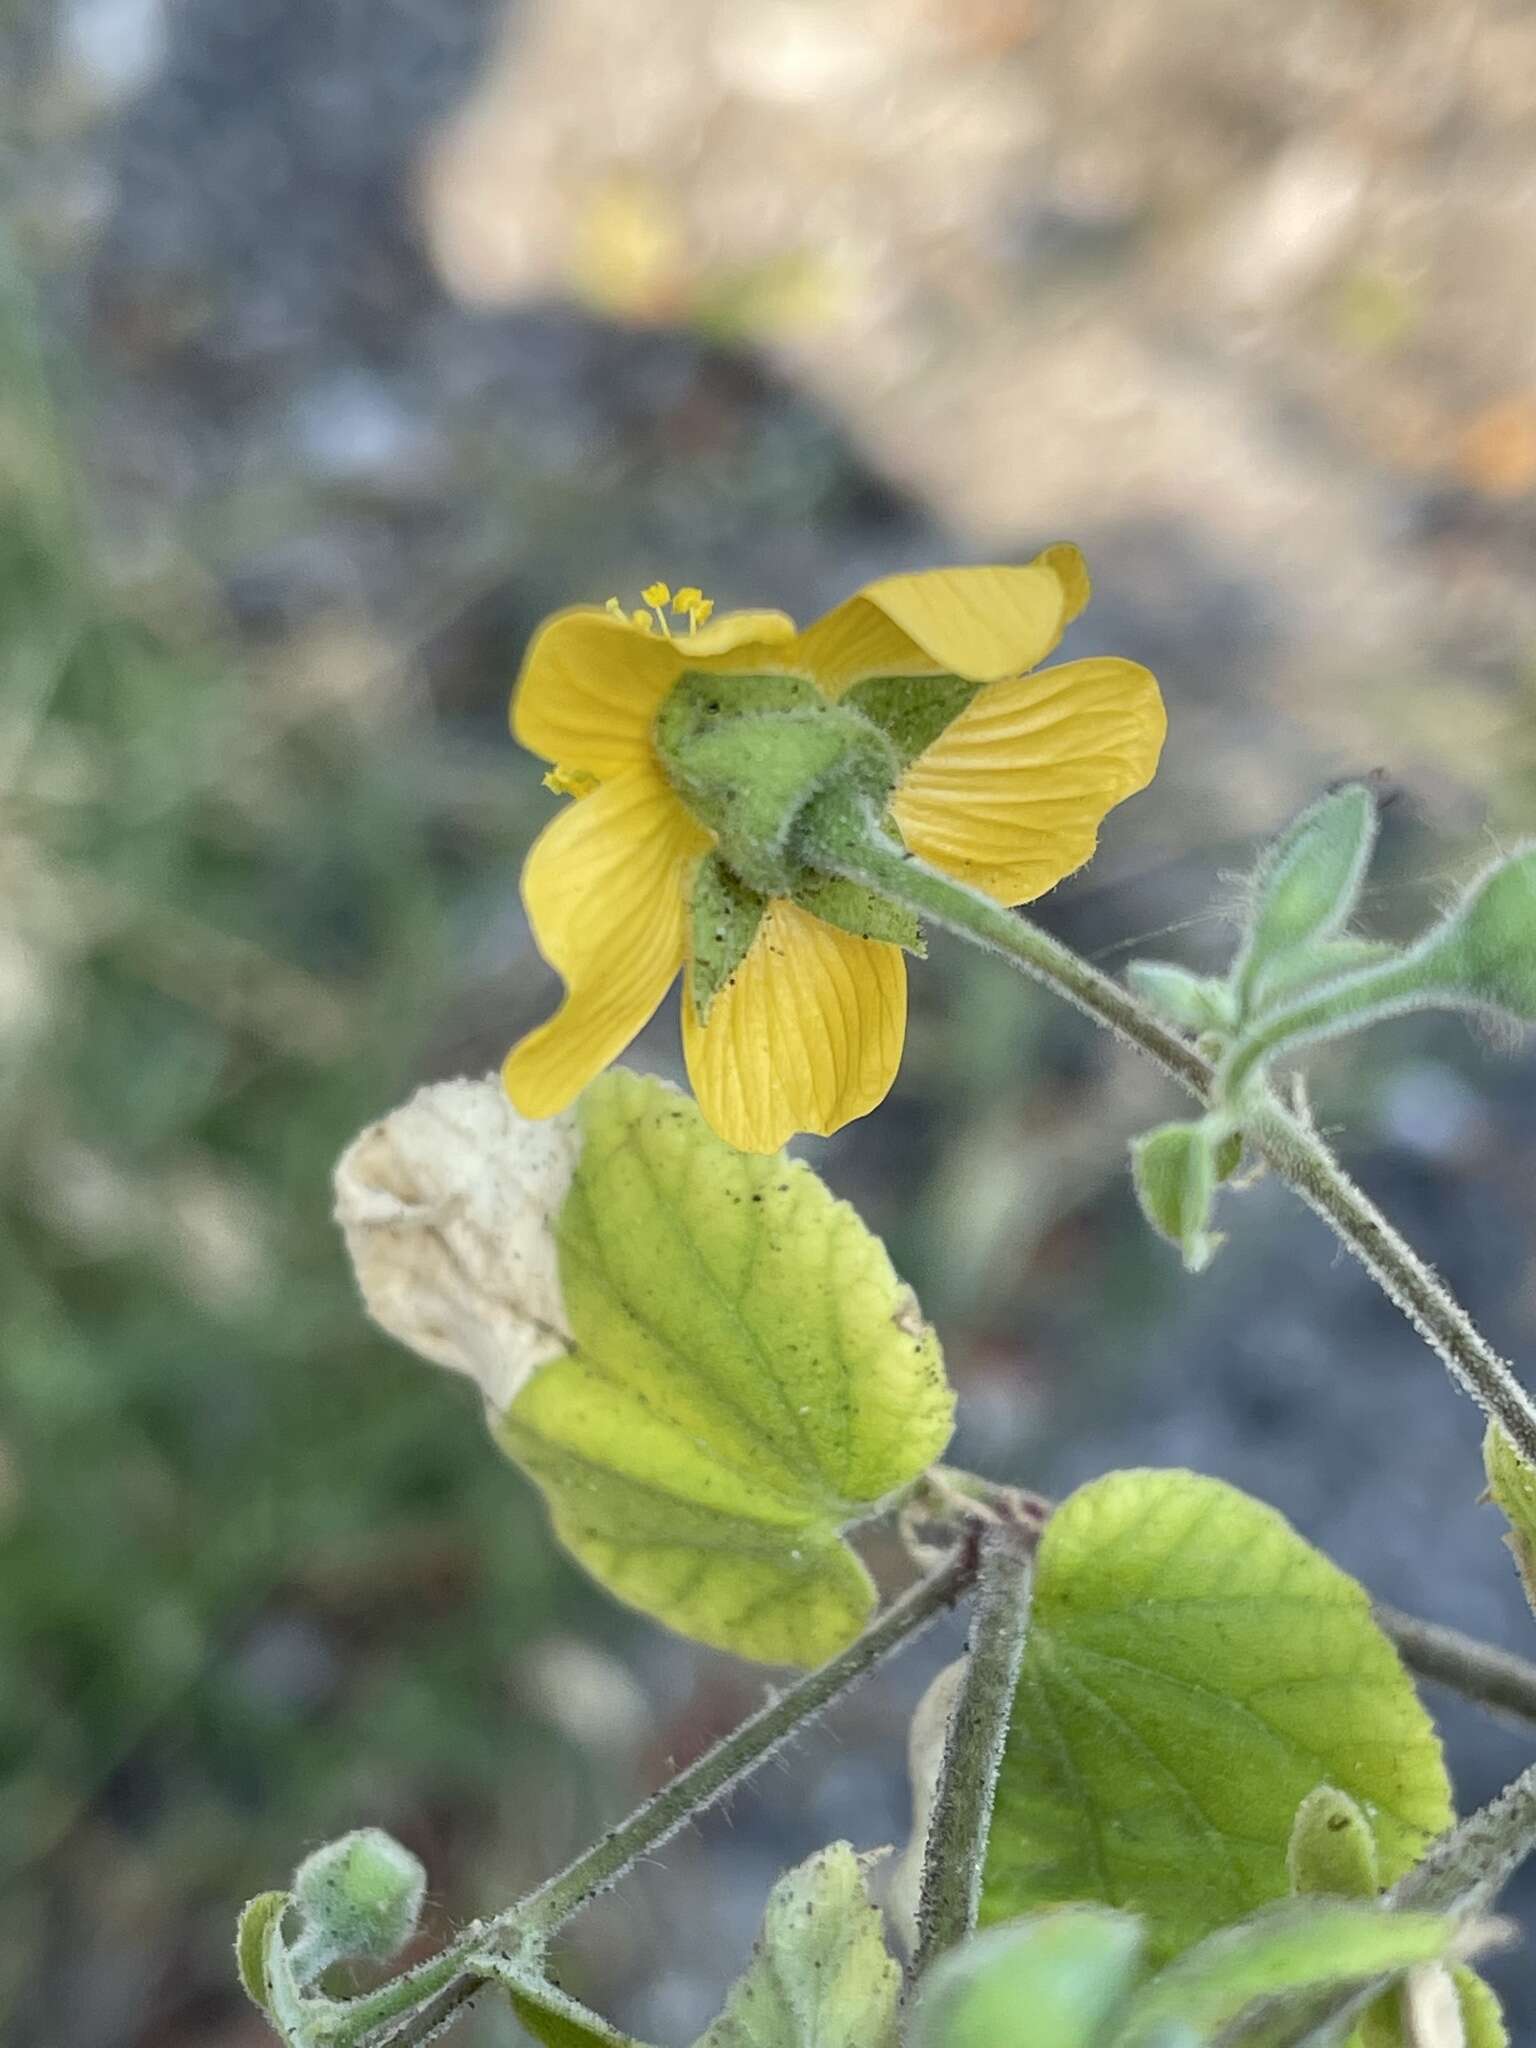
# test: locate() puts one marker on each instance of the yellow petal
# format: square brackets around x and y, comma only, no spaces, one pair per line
[747,638]
[805,1036]
[1066,561]
[590,687]
[1010,796]
[606,892]
[976,623]
[592,680]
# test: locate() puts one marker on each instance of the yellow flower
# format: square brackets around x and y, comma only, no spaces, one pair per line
[806,1030]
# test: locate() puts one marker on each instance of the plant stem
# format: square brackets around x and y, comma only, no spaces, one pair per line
[1466,1866]
[955,1851]
[842,837]
[1494,1678]
[452,1982]
[1301,1159]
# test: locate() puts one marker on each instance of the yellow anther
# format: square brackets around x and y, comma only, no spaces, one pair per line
[571,781]
[657,594]
[700,612]
[684,600]
[643,620]
[616,608]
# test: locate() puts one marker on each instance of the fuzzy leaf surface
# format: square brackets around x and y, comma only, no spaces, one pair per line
[820,1975]
[1053,1980]
[1298,1946]
[1194,1670]
[749,1376]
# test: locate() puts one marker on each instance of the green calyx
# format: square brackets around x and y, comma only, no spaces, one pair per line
[747,753]
[725,915]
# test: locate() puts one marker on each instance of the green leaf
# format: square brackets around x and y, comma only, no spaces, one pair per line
[1175,1172]
[749,1377]
[257,1917]
[1484,953]
[1512,1483]
[1194,1002]
[1193,1671]
[1332,1848]
[820,1975]
[1293,974]
[1307,884]
[284,2004]
[1482,2020]
[1298,1946]
[545,2011]
[1482,2017]
[547,2021]
[1053,1980]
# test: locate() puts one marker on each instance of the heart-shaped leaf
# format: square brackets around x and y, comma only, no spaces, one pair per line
[748,1377]
[1194,1670]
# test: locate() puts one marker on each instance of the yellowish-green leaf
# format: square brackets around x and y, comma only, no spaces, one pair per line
[1482,2019]
[1512,1483]
[1194,1670]
[748,1378]
[1051,1980]
[554,2018]
[257,1916]
[820,1976]
[1297,1946]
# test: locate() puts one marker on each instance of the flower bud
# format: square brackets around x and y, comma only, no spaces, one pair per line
[747,753]
[1176,1169]
[1332,1847]
[360,1898]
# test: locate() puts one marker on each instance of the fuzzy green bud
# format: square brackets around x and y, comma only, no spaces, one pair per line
[1333,1847]
[1176,1169]
[1193,1002]
[747,754]
[360,1898]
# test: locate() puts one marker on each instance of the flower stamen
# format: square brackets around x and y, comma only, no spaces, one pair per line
[688,602]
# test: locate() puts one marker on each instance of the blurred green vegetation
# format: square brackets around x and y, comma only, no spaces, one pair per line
[259,1578]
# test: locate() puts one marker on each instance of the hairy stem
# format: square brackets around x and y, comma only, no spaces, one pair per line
[446,1984]
[1466,1867]
[955,1851]
[841,837]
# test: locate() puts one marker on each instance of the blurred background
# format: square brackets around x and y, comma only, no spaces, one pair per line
[338,342]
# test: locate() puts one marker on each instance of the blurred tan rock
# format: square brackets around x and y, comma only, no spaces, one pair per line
[1058,267]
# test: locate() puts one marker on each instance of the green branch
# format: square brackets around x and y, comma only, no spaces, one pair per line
[430,1996]
[956,1848]
[840,836]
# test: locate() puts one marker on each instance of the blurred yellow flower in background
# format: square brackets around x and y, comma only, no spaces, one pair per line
[1003,779]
